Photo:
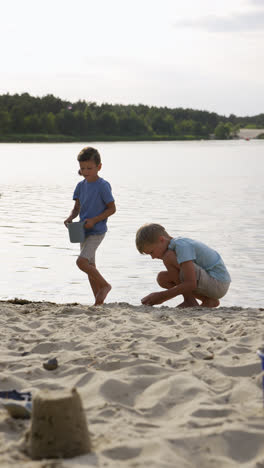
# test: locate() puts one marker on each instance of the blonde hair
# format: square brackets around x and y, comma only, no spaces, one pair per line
[148,234]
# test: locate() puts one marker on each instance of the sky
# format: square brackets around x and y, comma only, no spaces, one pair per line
[199,54]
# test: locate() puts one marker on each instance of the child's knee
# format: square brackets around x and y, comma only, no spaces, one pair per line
[79,262]
[82,263]
[162,278]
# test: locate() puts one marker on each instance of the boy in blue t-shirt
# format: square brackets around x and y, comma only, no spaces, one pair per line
[94,203]
[192,268]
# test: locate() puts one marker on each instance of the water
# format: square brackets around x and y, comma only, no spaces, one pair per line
[211,191]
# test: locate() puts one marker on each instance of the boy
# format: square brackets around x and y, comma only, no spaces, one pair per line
[192,268]
[95,203]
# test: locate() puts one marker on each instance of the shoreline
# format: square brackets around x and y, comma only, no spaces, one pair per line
[160,386]
[39,138]
[244,134]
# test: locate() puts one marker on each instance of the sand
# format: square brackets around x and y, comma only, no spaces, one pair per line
[160,387]
[250,132]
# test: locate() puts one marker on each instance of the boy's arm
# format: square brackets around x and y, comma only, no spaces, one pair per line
[75,211]
[110,210]
[188,285]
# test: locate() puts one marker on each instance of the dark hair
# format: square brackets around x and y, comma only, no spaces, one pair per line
[89,154]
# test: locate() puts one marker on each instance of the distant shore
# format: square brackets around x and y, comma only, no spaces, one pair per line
[48,138]
[244,134]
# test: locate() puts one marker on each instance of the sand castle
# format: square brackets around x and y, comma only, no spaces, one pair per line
[58,428]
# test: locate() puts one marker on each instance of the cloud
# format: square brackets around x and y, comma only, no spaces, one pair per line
[241,22]
[258,3]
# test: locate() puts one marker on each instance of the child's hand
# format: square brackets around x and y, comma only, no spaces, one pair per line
[68,220]
[153,298]
[89,223]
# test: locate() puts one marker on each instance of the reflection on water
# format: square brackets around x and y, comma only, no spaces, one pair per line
[211,191]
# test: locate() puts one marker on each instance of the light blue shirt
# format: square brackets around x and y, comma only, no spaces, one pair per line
[205,257]
[93,197]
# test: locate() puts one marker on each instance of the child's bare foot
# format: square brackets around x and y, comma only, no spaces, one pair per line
[209,302]
[102,293]
[188,303]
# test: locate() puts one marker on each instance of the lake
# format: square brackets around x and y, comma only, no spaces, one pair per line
[212,191]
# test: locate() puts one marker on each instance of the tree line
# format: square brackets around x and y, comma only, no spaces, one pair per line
[51,116]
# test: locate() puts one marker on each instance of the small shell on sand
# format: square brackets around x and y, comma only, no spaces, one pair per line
[51,364]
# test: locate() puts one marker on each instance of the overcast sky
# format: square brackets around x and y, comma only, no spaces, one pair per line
[201,54]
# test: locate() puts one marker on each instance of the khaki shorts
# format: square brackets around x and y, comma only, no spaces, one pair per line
[207,285]
[89,246]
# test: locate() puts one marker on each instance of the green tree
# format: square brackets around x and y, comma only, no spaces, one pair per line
[32,124]
[48,123]
[89,121]
[223,131]
[5,122]
[163,125]
[133,125]
[79,123]
[65,122]
[17,119]
[107,123]
[187,127]
[235,130]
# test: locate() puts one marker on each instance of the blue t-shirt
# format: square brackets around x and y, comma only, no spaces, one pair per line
[205,257]
[93,197]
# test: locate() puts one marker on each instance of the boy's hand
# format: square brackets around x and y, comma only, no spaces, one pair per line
[154,298]
[89,223]
[68,220]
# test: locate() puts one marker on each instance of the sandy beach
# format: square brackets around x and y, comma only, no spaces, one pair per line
[161,387]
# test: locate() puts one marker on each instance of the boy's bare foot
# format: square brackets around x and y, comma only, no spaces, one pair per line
[189,303]
[102,293]
[209,302]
